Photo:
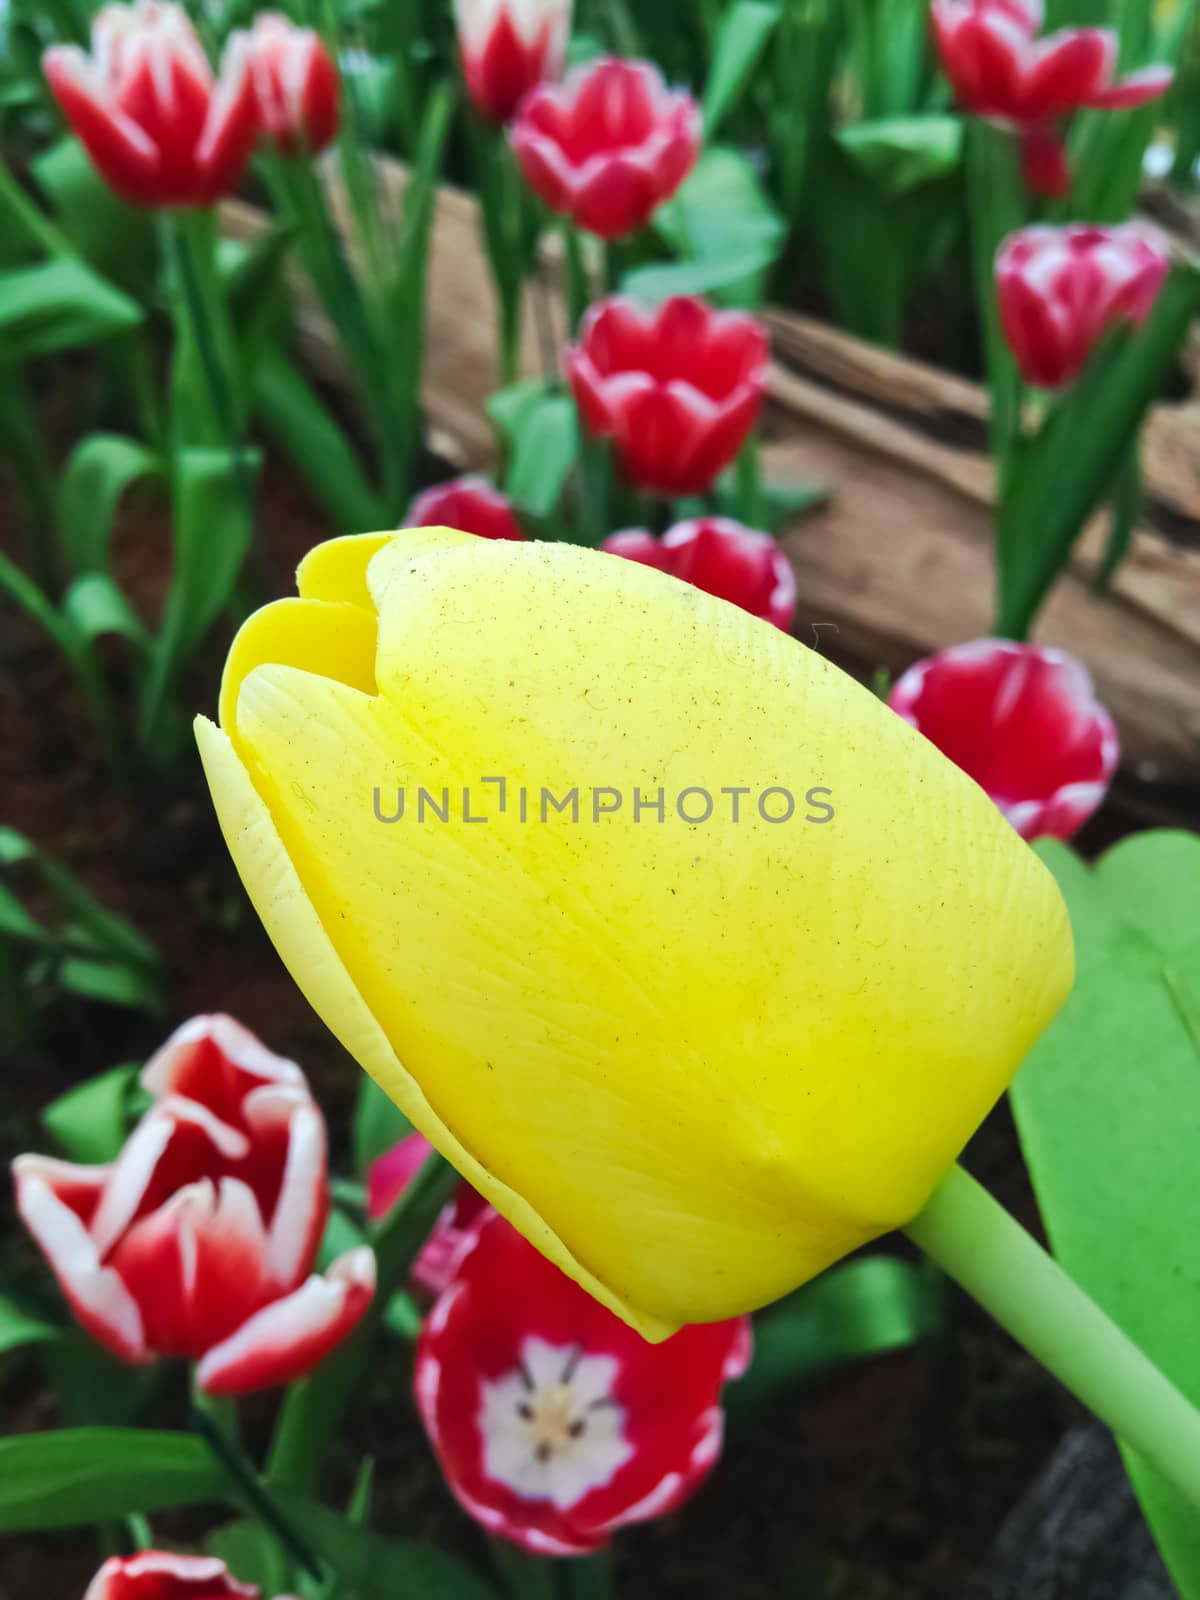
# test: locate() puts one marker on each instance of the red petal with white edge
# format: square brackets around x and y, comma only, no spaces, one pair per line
[215,1060]
[635,544]
[163,1575]
[124,156]
[97,1296]
[303,1204]
[616,196]
[1136,89]
[1021,720]
[514,1355]
[1066,71]
[231,127]
[286,1340]
[392,1172]
[196,1266]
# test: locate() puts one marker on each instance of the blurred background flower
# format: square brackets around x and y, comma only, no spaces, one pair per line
[721,557]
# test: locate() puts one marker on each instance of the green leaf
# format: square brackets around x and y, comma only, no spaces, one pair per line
[301,426]
[108,931]
[212,503]
[253,1555]
[903,153]
[58,305]
[110,982]
[116,238]
[94,1389]
[374,1568]
[89,1123]
[866,1307]
[784,504]
[741,39]
[77,1476]
[98,473]
[997,205]
[721,223]
[21,1326]
[98,608]
[379,1125]
[1108,1110]
[545,449]
[1059,478]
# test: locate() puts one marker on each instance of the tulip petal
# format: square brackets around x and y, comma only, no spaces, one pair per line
[1136,89]
[164,1575]
[288,1338]
[307,951]
[96,1293]
[337,569]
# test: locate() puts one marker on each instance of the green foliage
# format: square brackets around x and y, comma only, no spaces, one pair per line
[1108,1108]
[724,232]
[76,1476]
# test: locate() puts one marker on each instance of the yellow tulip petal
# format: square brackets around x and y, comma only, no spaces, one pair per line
[288,914]
[332,639]
[711,1059]
[337,569]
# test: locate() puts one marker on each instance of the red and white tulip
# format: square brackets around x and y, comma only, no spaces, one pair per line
[553,1421]
[1062,289]
[439,1256]
[1021,720]
[199,1240]
[163,1575]
[508,47]
[606,147]
[296,84]
[471,504]
[160,128]
[721,557]
[1003,71]
[677,390]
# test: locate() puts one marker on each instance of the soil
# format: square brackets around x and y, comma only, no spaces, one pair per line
[887,1482]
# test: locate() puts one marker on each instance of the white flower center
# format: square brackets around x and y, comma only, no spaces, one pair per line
[551,1428]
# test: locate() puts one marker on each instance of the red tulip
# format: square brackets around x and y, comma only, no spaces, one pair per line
[1022,721]
[159,128]
[439,1256]
[469,504]
[1002,71]
[609,145]
[296,83]
[198,1241]
[678,390]
[723,558]
[509,47]
[1062,289]
[162,1575]
[553,1421]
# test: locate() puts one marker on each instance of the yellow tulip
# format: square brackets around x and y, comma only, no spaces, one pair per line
[695,1062]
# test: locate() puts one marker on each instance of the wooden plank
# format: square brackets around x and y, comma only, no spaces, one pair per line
[899,564]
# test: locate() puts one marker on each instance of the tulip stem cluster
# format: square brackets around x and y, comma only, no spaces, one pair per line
[997,1262]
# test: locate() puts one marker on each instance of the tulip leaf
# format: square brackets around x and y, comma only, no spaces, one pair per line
[545,449]
[868,1307]
[97,475]
[741,39]
[376,1568]
[98,608]
[724,230]
[300,425]
[1108,1110]
[116,238]
[21,1325]
[75,1476]
[903,153]
[253,1555]
[89,1123]
[58,305]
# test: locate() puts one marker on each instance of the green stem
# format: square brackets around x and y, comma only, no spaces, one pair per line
[749,485]
[205,325]
[578,290]
[315,1406]
[37,227]
[972,1237]
[209,1420]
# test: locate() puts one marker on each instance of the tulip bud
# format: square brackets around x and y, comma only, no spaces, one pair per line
[677,390]
[608,146]
[1024,722]
[296,84]
[693,1056]
[164,1575]
[470,504]
[1062,289]
[723,558]
[159,128]
[509,47]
